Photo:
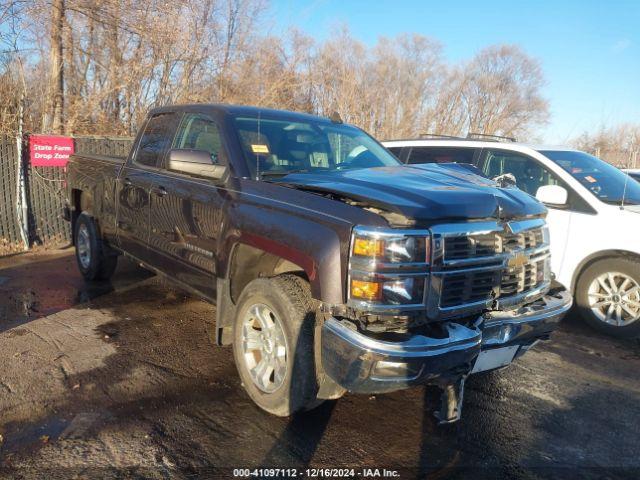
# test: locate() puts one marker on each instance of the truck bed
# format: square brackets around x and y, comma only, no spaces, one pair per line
[95,176]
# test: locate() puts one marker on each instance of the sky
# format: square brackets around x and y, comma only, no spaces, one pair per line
[589,50]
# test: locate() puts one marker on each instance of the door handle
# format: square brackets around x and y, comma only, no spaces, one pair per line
[159,191]
[126,182]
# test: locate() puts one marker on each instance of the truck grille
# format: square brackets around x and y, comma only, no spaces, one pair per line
[460,288]
[485,245]
[474,269]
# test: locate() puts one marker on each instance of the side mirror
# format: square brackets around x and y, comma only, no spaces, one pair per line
[195,162]
[553,195]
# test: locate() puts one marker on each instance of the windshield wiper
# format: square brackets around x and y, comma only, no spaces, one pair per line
[281,173]
[284,173]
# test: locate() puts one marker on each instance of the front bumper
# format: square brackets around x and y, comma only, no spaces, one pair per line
[362,364]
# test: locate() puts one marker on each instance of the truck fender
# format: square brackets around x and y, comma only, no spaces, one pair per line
[253,256]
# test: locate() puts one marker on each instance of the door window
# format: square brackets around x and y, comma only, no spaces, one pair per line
[529,174]
[441,155]
[156,139]
[198,132]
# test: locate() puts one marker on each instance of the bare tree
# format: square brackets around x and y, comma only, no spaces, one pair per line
[619,144]
[57,66]
[501,91]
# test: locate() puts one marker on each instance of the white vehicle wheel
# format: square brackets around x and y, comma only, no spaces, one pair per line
[608,296]
[615,298]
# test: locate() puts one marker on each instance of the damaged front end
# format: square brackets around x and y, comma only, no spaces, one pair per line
[434,306]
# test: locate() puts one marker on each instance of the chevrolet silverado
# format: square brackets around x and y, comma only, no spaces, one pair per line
[333,267]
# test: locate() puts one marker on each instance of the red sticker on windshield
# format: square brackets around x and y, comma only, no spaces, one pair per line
[590,179]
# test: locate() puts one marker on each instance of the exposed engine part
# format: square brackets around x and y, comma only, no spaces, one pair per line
[394,219]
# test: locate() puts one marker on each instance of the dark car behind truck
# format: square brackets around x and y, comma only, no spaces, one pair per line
[332,266]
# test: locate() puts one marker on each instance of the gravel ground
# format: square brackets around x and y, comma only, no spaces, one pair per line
[120,381]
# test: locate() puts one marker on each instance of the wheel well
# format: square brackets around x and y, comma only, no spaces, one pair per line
[591,259]
[81,201]
[249,263]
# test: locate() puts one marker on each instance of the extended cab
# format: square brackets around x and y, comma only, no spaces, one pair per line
[333,267]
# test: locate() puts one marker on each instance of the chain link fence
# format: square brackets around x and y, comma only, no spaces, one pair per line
[11,240]
[44,193]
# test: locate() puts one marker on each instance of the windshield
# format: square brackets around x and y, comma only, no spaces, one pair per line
[603,180]
[278,147]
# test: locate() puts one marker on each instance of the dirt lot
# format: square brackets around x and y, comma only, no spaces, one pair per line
[121,381]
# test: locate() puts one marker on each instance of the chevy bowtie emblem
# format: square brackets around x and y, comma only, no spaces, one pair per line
[518,260]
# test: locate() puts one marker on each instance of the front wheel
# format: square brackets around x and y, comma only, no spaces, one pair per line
[95,260]
[273,344]
[608,296]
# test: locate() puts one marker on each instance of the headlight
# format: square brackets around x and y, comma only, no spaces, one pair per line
[388,268]
[388,291]
[390,247]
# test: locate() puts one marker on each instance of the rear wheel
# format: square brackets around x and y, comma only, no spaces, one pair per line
[273,344]
[608,296]
[95,260]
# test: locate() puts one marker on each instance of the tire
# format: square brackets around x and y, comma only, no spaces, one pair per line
[289,384]
[589,289]
[96,261]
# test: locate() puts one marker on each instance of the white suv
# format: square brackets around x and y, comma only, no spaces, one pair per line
[594,218]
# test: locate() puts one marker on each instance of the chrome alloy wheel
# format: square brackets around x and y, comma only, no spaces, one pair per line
[264,348]
[614,298]
[83,246]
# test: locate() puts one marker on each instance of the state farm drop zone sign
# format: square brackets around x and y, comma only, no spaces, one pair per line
[50,150]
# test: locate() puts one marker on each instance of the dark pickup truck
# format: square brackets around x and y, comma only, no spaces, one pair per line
[333,267]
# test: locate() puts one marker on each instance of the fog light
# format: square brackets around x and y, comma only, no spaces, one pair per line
[366,290]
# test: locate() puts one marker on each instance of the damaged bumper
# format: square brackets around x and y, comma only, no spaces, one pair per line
[363,364]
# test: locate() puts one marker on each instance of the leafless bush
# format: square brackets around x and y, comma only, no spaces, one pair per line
[618,145]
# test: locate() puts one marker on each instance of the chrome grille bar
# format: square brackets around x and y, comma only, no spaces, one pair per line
[486,264]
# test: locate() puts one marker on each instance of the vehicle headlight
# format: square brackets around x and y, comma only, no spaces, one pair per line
[390,247]
[388,291]
[388,267]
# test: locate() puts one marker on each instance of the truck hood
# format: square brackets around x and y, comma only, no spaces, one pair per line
[421,193]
